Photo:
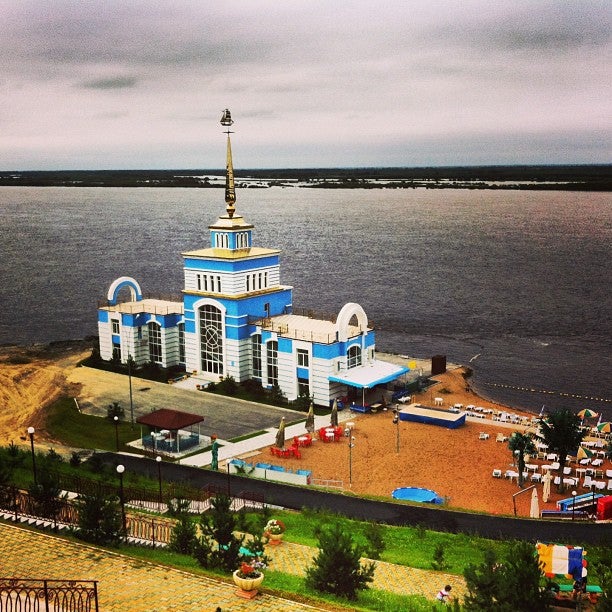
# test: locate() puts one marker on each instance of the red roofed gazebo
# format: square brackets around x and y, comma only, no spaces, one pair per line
[170,430]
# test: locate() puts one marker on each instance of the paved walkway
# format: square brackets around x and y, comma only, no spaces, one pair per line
[139,586]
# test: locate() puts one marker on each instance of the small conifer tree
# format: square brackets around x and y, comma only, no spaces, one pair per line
[337,568]
[184,538]
[218,546]
[99,519]
[373,533]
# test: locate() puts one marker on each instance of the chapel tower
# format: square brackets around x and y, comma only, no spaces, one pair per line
[228,287]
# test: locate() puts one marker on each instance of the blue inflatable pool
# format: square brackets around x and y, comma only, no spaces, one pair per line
[417,494]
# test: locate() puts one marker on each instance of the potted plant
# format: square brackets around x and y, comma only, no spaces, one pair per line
[248,577]
[274,531]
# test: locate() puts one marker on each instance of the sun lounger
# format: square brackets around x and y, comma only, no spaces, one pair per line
[498,474]
[587,483]
[501,437]
[483,436]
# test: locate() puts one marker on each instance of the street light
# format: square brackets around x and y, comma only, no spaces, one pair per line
[116,420]
[573,504]
[397,431]
[158,460]
[120,470]
[31,434]
[129,364]
[351,444]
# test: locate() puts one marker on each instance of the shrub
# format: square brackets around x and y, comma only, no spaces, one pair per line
[99,519]
[184,539]
[439,562]
[337,568]
[373,533]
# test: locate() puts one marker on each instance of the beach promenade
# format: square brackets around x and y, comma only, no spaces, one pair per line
[129,584]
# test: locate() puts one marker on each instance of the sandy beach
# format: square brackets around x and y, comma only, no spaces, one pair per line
[456,464]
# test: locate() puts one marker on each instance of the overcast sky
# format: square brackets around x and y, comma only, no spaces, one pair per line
[141,84]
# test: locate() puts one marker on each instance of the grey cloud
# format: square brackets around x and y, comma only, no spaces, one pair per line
[111,83]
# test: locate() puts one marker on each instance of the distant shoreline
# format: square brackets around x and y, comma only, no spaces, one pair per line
[593,177]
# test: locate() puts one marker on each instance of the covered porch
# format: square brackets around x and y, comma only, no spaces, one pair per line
[363,380]
[169,431]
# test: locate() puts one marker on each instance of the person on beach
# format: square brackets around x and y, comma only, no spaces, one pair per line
[444,594]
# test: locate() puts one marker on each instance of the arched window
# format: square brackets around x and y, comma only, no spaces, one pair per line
[155,343]
[353,357]
[211,339]
[272,362]
[256,352]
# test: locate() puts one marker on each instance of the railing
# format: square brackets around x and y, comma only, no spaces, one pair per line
[327,484]
[17,594]
[19,505]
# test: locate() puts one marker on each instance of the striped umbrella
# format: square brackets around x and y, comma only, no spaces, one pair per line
[605,427]
[587,414]
[584,453]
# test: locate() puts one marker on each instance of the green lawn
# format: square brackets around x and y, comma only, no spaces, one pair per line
[66,424]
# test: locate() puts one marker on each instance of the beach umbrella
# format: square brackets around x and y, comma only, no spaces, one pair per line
[605,427]
[334,414]
[584,453]
[587,414]
[546,489]
[280,434]
[310,423]
[534,509]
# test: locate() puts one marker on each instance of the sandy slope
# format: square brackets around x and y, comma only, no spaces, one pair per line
[31,378]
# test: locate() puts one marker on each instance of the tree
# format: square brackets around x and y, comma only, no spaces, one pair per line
[521,445]
[337,568]
[99,519]
[218,546]
[184,538]
[507,586]
[46,495]
[114,410]
[561,432]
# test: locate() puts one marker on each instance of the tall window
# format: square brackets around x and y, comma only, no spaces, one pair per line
[155,343]
[181,334]
[272,362]
[115,325]
[303,387]
[353,357]
[211,339]
[256,351]
[302,358]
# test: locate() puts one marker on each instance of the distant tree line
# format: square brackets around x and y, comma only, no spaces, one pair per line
[593,177]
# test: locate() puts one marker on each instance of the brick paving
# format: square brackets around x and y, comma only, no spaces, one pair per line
[132,585]
[125,584]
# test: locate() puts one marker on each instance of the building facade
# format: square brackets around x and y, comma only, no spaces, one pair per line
[237,319]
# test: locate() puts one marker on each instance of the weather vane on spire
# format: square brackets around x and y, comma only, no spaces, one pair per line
[230,191]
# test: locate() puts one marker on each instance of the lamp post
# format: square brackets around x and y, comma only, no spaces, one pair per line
[573,504]
[116,421]
[397,431]
[158,460]
[31,434]
[350,446]
[129,364]
[120,470]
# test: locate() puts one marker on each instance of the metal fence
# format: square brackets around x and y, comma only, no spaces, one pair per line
[21,594]
[144,529]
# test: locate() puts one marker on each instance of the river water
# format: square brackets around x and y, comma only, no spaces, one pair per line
[514,283]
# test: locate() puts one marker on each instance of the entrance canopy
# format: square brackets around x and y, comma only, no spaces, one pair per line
[164,418]
[368,376]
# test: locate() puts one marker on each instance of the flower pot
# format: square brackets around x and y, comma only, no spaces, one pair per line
[247,587]
[275,538]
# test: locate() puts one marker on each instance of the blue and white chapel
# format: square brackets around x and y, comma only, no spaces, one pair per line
[236,319]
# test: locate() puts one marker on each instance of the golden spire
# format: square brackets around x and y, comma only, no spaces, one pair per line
[230,190]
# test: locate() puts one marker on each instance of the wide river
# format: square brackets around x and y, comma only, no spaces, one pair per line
[517,284]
